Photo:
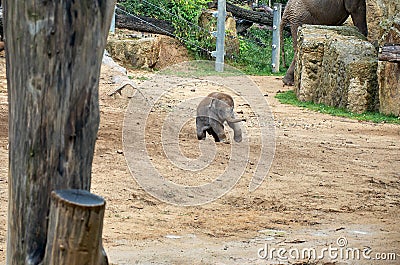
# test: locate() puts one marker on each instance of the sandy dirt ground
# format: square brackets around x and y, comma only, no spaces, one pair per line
[334,184]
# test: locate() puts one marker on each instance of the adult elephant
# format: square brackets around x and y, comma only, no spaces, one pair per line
[320,12]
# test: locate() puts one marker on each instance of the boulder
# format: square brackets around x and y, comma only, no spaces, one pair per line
[146,51]
[336,66]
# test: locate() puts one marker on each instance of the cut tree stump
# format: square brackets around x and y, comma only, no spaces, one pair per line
[75,229]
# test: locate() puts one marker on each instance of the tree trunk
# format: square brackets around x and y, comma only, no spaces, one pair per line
[390,52]
[1,23]
[75,228]
[144,24]
[53,58]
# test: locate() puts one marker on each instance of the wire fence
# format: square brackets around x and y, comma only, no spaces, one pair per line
[195,27]
[163,30]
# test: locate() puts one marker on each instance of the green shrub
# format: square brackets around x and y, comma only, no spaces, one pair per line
[255,49]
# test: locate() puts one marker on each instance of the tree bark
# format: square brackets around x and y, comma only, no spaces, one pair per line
[390,53]
[53,58]
[1,23]
[144,24]
[75,229]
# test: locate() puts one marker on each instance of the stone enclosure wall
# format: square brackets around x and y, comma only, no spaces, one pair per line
[337,66]
[147,51]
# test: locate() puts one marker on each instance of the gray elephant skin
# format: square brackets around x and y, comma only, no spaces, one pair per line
[212,112]
[319,12]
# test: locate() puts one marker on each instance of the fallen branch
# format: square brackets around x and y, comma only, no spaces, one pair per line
[143,24]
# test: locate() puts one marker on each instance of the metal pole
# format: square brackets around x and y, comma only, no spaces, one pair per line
[220,51]
[276,37]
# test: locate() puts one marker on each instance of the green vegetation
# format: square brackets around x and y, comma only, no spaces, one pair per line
[289,97]
[255,52]
[183,14]
[255,48]
[140,78]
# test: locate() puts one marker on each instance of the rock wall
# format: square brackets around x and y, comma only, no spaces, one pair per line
[380,17]
[149,52]
[384,24]
[336,66]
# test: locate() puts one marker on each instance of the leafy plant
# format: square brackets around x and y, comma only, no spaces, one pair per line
[183,14]
[255,48]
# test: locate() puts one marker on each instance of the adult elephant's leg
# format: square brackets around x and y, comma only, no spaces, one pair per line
[358,12]
[288,79]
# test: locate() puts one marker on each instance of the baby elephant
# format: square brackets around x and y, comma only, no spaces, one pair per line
[212,112]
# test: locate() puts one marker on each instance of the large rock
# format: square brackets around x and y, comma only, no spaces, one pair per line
[336,66]
[380,17]
[149,52]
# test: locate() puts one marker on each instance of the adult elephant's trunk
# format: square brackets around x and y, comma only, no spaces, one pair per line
[282,44]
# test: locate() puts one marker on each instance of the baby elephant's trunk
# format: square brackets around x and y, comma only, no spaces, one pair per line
[233,120]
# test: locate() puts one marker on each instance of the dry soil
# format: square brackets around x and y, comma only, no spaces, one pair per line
[331,178]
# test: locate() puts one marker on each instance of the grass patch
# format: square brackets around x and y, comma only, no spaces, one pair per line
[289,97]
[197,69]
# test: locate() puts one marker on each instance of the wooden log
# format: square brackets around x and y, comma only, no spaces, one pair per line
[390,53]
[75,229]
[263,18]
[250,15]
[143,24]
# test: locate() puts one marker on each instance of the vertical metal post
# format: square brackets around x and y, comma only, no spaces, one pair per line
[276,37]
[220,51]
[112,26]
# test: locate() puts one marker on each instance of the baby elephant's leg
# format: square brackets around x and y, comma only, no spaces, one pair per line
[202,126]
[218,128]
[237,131]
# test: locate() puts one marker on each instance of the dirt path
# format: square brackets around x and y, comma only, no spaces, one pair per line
[331,178]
